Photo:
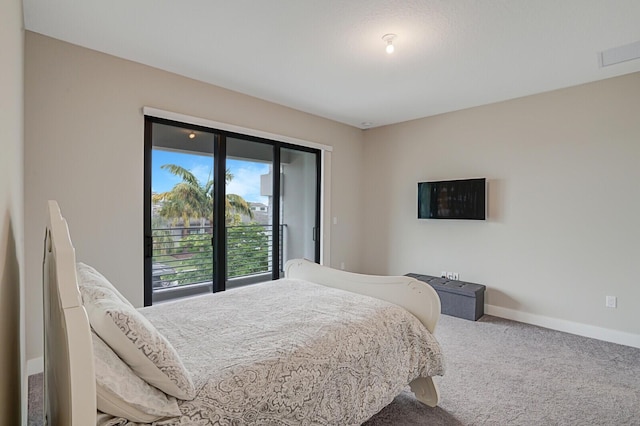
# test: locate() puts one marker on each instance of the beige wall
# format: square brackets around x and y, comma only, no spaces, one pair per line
[564,204]
[12,384]
[84,147]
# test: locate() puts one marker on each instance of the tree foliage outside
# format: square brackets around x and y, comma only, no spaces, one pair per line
[198,267]
[163,243]
[247,254]
[192,201]
[247,250]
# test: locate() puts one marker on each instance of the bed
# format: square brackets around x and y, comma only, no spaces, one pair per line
[317,346]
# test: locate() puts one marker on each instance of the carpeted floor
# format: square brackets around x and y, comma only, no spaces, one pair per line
[502,372]
[35,400]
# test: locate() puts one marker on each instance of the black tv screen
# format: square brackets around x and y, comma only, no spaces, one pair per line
[452,199]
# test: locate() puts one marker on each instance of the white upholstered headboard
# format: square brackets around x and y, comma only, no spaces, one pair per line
[70,391]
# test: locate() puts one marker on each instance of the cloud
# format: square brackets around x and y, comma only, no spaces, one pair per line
[246,180]
[202,172]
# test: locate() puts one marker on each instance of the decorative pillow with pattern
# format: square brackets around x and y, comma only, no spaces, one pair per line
[90,280]
[138,343]
[123,394]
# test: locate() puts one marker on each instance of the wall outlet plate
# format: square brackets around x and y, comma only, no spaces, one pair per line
[443,274]
[611,302]
[449,275]
[455,276]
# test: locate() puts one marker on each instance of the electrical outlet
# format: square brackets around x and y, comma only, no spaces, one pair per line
[455,275]
[443,274]
[449,275]
[611,302]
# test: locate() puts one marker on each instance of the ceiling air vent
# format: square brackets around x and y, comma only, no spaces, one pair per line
[613,56]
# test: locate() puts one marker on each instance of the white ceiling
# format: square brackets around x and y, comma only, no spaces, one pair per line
[327,57]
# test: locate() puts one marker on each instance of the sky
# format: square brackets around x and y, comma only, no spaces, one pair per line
[246,174]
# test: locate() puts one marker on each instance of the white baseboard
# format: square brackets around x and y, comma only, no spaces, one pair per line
[600,333]
[35,366]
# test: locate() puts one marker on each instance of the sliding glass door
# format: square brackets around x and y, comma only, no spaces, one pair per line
[249,218]
[218,215]
[179,212]
[299,205]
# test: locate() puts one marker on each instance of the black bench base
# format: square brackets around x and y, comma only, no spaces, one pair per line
[457,298]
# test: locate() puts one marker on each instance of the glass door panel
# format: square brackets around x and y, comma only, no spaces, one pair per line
[299,205]
[248,212]
[181,223]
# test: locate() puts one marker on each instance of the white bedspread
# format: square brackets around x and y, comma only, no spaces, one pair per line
[290,352]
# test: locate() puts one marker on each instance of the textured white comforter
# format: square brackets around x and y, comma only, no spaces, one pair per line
[290,352]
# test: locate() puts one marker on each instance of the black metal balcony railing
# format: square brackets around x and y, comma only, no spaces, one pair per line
[184,256]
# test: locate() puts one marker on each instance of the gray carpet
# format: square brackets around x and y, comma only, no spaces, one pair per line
[35,400]
[502,372]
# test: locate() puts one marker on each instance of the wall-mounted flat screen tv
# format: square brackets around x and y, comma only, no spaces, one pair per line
[452,199]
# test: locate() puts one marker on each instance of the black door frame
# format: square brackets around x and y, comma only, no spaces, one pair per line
[219,225]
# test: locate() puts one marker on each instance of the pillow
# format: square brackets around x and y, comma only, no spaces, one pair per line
[138,343]
[90,280]
[123,394]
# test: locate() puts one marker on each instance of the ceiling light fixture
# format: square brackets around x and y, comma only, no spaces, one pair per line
[389,39]
[192,135]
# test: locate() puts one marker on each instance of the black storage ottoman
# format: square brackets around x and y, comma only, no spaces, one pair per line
[457,298]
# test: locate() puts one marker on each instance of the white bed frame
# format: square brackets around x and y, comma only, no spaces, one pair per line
[70,393]
[415,296]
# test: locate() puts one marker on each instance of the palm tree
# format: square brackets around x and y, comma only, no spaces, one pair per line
[234,204]
[192,199]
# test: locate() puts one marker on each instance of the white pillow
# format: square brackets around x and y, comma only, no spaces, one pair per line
[123,394]
[140,345]
[90,280]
